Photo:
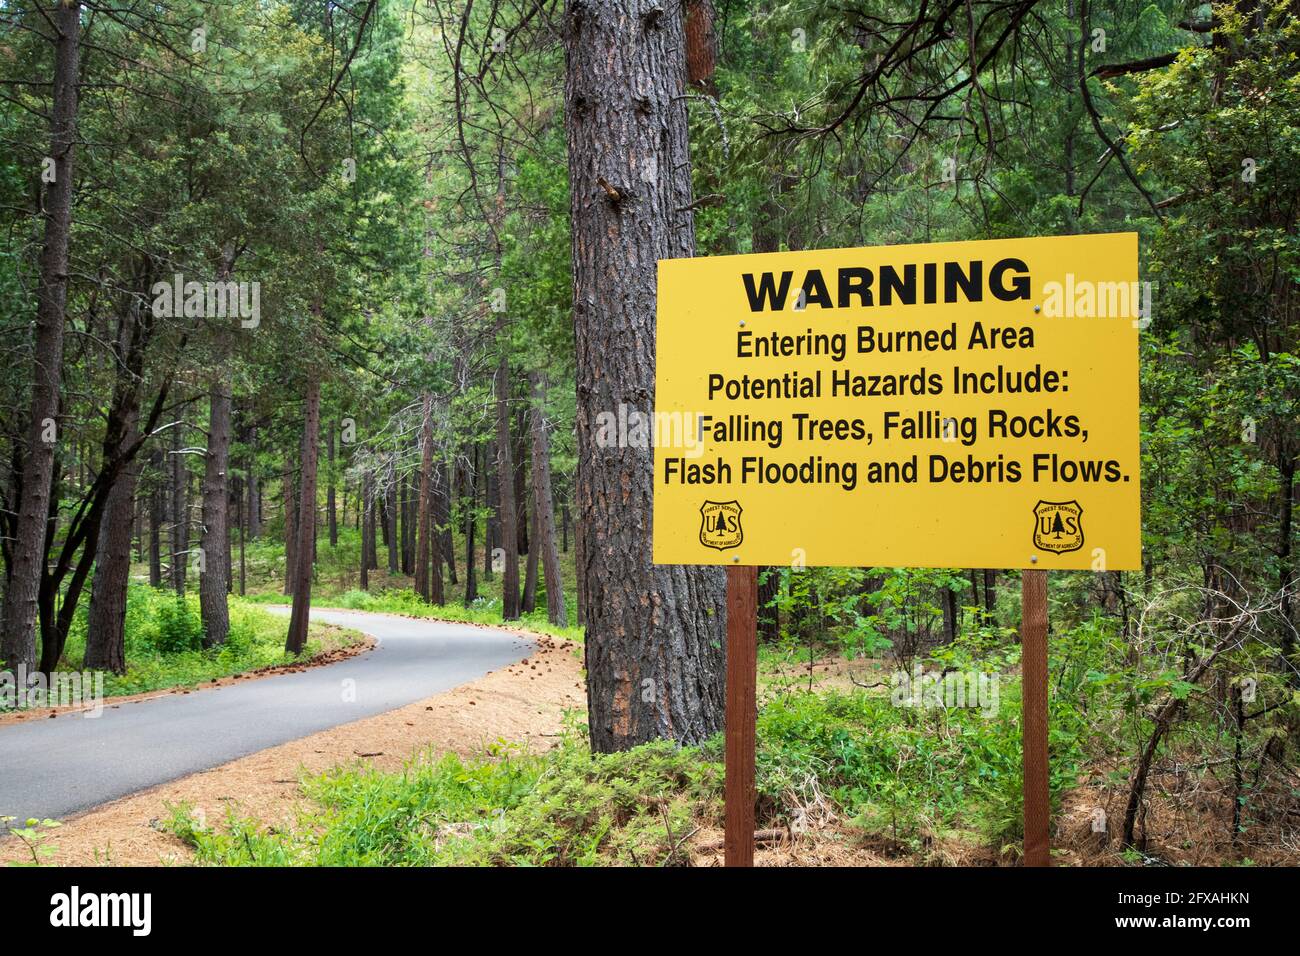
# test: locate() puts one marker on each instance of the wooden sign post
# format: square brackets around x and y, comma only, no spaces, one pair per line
[1033,715]
[742,712]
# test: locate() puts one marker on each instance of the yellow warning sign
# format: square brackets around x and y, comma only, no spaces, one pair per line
[968,404]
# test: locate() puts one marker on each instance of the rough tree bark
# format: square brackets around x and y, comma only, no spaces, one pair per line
[106,619]
[654,647]
[299,615]
[18,642]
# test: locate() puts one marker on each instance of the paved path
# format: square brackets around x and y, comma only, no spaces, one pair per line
[53,768]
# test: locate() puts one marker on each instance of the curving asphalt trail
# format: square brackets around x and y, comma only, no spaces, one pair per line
[53,768]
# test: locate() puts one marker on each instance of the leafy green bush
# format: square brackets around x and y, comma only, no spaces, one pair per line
[178,627]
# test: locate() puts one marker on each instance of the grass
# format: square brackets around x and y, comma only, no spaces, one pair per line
[895,773]
[163,642]
[338,578]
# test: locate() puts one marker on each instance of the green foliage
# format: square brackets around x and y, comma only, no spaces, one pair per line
[564,808]
[163,642]
[34,835]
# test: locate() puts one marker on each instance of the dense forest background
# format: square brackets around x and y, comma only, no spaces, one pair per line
[406,254]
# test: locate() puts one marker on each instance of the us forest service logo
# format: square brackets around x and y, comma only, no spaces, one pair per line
[1058,526]
[720,525]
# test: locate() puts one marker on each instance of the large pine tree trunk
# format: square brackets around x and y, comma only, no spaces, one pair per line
[655,634]
[544,507]
[214,575]
[299,616]
[27,557]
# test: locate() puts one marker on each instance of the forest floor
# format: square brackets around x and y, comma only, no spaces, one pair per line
[524,703]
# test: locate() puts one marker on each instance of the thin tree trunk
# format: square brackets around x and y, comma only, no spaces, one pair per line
[544,508]
[769,618]
[437,591]
[423,529]
[442,515]
[1285,565]
[529,602]
[27,558]
[408,527]
[243,521]
[155,521]
[490,530]
[372,522]
[471,523]
[180,511]
[520,452]
[330,502]
[948,597]
[301,612]
[290,526]
[390,497]
[655,634]
[580,565]
[507,513]
[363,521]
[254,521]
[213,574]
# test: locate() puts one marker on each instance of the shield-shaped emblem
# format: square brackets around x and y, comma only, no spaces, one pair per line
[1058,526]
[720,525]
